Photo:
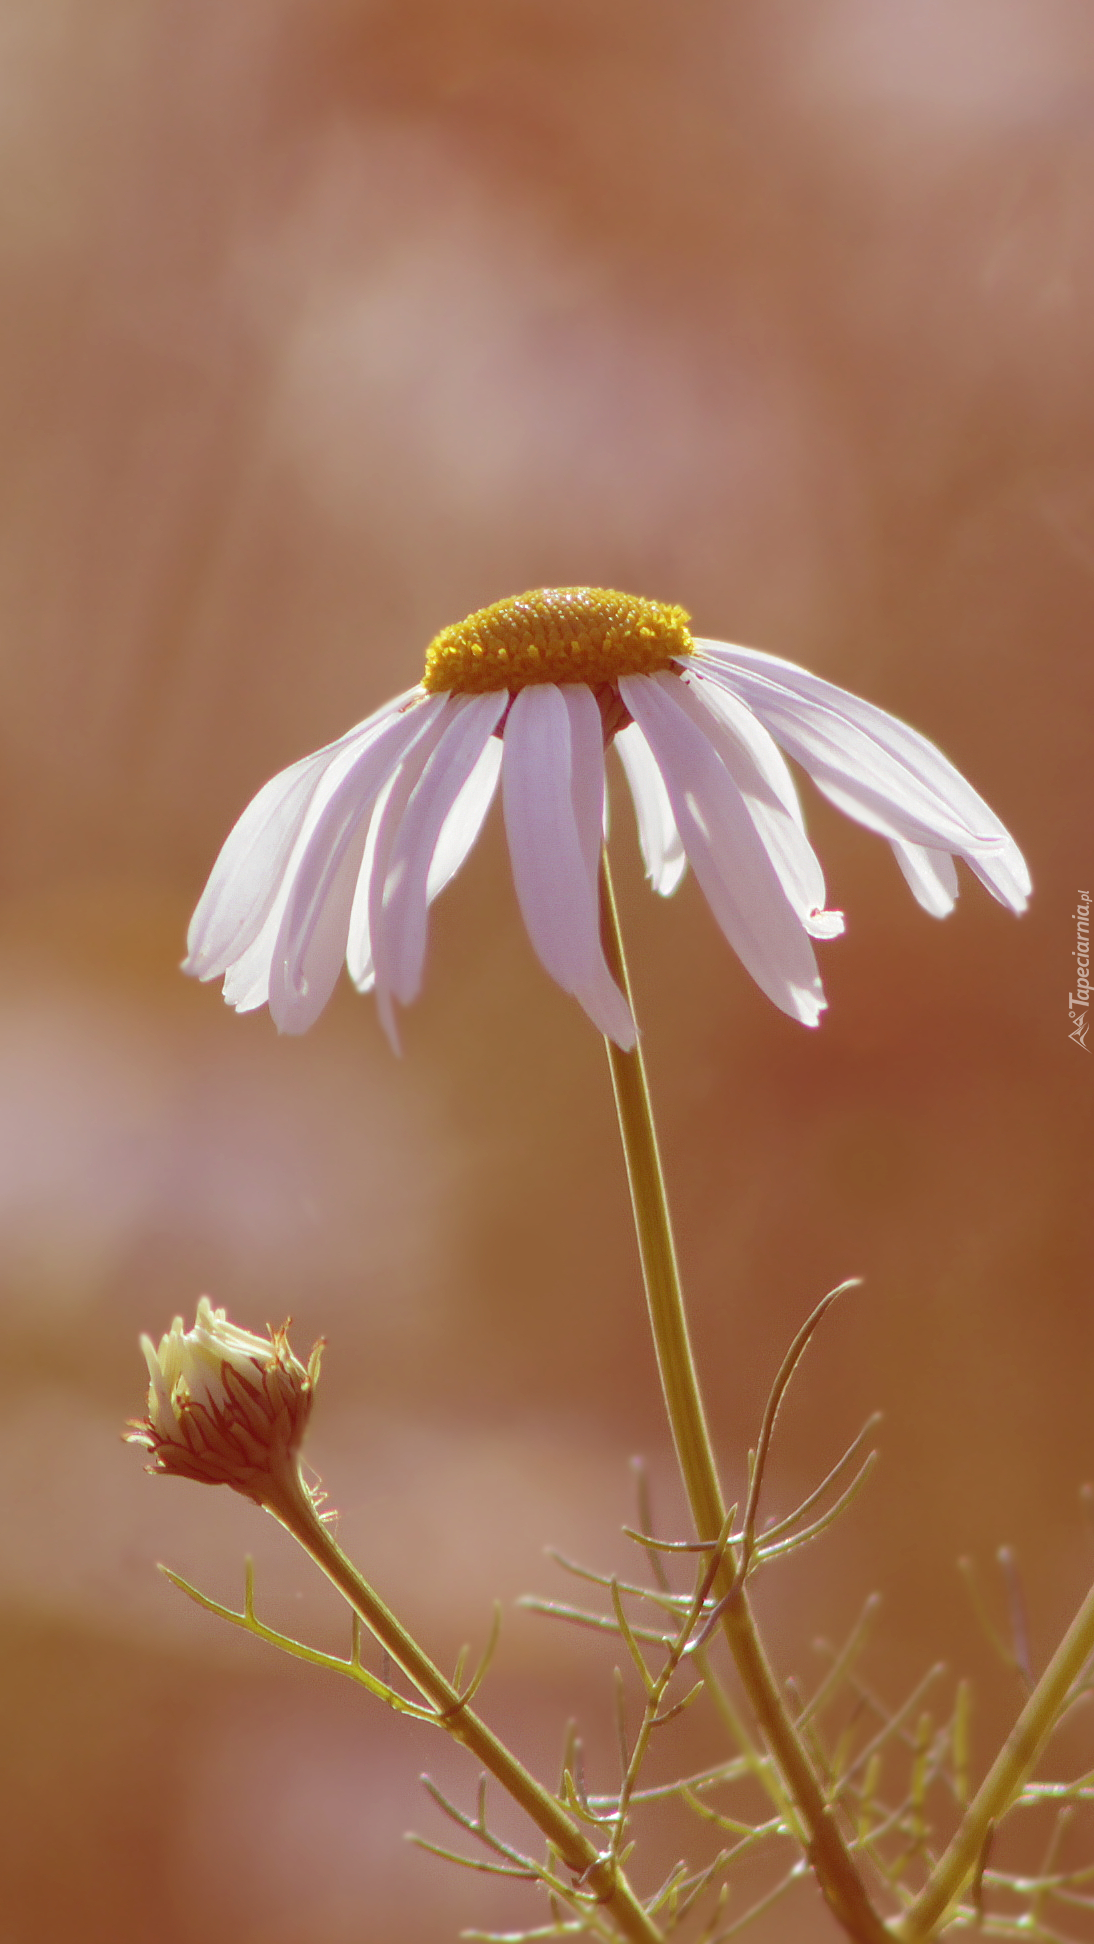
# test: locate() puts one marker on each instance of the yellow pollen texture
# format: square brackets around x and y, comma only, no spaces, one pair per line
[556,634]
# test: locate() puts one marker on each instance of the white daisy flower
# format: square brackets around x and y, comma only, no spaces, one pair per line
[341,856]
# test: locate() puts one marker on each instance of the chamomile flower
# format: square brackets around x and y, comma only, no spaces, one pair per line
[340,857]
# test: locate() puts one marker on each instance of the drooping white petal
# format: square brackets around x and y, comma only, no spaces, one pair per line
[586,771]
[250,871]
[311,942]
[453,846]
[382,840]
[874,767]
[931,876]
[553,795]
[399,941]
[460,830]
[760,773]
[662,850]
[774,781]
[310,952]
[247,980]
[600,995]
[1004,872]
[726,851]
[359,944]
[464,821]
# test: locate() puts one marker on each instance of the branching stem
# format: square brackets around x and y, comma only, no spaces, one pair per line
[598,1875]
[834,1867]
[958,1864]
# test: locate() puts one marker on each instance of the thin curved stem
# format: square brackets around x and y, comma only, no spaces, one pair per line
[834,1867]
[599,1874]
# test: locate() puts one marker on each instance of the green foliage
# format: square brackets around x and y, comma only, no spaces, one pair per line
[899,1778]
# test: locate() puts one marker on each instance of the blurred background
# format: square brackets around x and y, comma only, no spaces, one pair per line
[325,322]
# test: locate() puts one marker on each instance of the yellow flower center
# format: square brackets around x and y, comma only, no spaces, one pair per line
[556,634]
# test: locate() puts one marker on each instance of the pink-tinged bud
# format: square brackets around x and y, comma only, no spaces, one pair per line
[226,1407]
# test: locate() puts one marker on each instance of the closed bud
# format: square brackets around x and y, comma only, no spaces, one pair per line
[226,1407]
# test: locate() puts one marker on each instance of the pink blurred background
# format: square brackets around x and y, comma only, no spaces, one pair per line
[325,323]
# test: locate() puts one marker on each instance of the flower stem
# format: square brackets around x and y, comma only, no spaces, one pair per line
[925,1916]
[595,1872]
[831,1861]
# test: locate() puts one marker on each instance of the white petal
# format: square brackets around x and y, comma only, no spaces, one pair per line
[359,945]
[871,765]
[931,875]
[247,980]
[311,942]
[760,773]
[600,995]
[465,819]
[250,871]
[1004,872]
[662,850]
[775,781]
[553,792]
[586,771]
[399,945]
[461,828]
[726,851]
[383,837]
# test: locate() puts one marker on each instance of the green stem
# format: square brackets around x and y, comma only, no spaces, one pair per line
[835,1871]
[958,1864]
[597,1873]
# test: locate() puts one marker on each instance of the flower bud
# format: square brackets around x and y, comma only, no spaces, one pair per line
[226,1407]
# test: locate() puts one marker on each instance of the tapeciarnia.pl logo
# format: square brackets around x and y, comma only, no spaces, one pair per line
[1078,1002]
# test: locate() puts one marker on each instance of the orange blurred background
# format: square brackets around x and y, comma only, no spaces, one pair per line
[325,323]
